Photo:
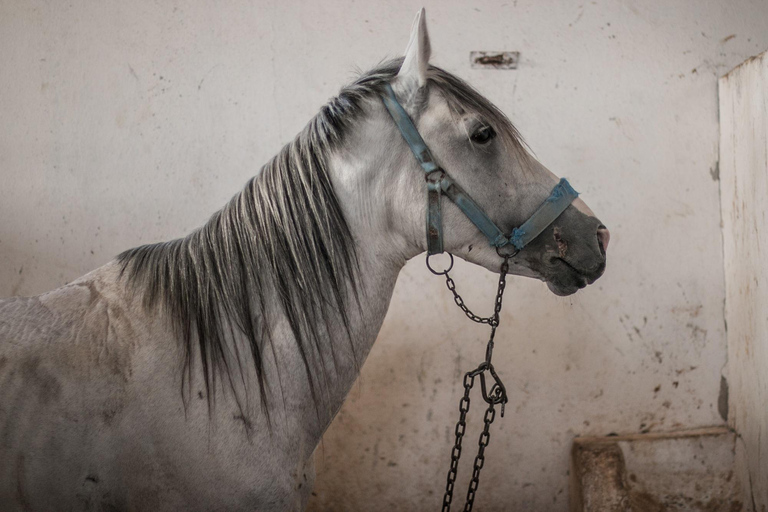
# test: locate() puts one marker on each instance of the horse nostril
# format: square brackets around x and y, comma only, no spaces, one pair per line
[603,237]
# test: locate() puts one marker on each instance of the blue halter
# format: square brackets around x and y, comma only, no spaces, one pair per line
[438,183]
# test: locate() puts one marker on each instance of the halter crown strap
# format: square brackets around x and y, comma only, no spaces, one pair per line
[409,131]
[439,182]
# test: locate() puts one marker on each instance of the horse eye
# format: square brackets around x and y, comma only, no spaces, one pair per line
[483,135]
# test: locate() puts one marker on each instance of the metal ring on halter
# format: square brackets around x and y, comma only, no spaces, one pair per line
[444,272]
[510,255]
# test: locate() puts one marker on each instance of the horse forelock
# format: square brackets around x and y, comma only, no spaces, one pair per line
[281,248]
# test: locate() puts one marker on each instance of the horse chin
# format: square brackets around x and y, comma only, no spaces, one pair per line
[563,289]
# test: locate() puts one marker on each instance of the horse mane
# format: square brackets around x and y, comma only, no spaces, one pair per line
[283,236]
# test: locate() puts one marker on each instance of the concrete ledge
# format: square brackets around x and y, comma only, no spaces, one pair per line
[689,470]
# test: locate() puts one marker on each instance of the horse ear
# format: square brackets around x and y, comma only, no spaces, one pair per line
[413,72]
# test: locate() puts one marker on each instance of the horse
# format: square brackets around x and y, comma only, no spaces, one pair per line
[199,374]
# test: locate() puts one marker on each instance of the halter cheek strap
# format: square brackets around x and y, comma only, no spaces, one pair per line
[438,183]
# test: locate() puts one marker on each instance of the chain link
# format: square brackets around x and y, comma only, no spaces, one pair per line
[496,395]
[492,320]
[469,380]
[485,438]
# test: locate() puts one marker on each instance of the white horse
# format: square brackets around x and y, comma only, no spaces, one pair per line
[201,373]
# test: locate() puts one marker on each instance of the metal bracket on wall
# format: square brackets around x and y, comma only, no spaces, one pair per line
[494,60]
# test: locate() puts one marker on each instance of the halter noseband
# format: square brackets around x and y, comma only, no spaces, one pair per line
[438,183]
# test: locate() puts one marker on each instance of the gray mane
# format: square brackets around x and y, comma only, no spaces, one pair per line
[283,236]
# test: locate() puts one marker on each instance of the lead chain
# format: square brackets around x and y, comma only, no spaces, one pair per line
[485,437]
[496,395]
[492,320]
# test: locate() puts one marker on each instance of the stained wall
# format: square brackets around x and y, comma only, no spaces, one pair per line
[744,189]
[130,122]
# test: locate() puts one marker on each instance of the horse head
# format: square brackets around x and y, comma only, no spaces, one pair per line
[474,143]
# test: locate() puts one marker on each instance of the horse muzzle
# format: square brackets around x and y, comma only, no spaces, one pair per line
[575,256]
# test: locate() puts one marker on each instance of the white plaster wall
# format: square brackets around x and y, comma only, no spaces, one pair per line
[744,189]
[130,122]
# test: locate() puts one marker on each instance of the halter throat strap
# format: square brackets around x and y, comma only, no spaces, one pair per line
[438,183]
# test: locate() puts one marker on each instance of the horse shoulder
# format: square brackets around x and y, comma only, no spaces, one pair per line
[92,414]
[66,362]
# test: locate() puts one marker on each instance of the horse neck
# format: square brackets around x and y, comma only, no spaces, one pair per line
[381,255]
